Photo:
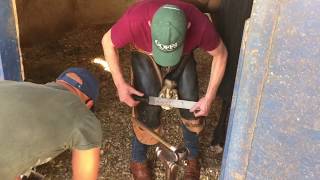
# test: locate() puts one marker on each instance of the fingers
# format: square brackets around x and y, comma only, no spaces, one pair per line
[195,107]
[135,92]
[201,113]
[130,101]
[133,102]
[201,108]
[197,111]
[125,95]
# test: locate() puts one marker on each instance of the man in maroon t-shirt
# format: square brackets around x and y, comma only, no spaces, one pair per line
[163,34]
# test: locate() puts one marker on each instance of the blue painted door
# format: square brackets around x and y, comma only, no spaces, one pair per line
[274,125]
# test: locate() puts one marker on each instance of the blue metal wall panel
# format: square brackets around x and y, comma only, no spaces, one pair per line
[9,49]
[274,126]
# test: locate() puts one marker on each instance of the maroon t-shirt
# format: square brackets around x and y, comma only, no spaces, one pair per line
[133,27]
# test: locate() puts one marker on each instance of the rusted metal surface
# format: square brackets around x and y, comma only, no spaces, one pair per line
[9,49]
[274,126]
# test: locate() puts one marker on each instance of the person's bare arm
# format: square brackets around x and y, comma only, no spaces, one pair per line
[218,66]
[85,164]
[219,61]
[112,56]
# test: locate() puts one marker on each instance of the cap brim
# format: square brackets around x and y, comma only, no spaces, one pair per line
[166,58]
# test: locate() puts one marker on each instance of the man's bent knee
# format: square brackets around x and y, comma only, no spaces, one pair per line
[141,129]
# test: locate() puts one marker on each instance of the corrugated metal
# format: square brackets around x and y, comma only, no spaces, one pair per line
[274,126]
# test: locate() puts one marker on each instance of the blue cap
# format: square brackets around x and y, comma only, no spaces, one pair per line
[89,86]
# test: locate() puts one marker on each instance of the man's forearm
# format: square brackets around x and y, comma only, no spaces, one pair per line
[114,64]
[217,72]
[112,57]
[125,90]
[218,66]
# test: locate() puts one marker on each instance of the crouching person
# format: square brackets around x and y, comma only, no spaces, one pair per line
[39,122]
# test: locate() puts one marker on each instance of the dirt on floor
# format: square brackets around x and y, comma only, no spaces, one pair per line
[44,62]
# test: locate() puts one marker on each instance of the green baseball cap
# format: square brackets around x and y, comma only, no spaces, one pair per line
[168,29]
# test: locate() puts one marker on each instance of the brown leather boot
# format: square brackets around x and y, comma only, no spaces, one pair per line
[140,171]
[192,171]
